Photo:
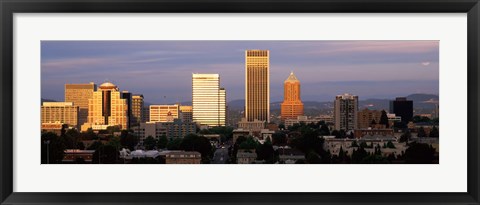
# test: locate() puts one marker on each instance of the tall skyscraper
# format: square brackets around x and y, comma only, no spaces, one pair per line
[108,108]
[346,112]
[403,108]
[257,85]
[164,113]
[60,112]
[208,100]
[79,94]
[292,105]
[137,109]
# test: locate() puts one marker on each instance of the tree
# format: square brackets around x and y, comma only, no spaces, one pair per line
[193,142]
[421,132]
[128,140]
[174,144]
[105,154]
[279,138]
[80,146]
[419,153]
[384,119]
[95,145]
[265,152]
[162,142]
[339,133]
[313,158]
[405,137]
[249,143]
[53,147]
[390,145]
[358,155]
[149,143]
[434,132]
[324,130]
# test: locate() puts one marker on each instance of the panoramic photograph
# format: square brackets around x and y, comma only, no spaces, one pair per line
[240,102]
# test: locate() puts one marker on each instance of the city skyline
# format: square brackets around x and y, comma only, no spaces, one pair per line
[375,68]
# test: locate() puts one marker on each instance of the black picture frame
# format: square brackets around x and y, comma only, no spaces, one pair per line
[10,7]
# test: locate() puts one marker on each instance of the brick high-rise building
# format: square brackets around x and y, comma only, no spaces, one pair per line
[292,105]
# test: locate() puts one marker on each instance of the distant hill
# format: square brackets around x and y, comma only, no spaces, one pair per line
[420,101]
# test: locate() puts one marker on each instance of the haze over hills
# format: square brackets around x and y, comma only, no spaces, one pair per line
[420,102]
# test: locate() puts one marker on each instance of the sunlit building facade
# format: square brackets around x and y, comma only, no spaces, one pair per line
[59,113]
[186,113]
[137,109]
[164,113]
[108,108]
[257,85]
[208,100]
[292,105]
[346,112]
[79,95]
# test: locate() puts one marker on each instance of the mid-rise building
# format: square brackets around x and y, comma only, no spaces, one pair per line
[253,126]
[79,95]
[346,112]
[146,113]
[164,113]
[186,113]
[60,113]
[366,117]
[208,100]
[175,129]
[137,110]
[257,85]
[292,105]
[403,108]
[107,108]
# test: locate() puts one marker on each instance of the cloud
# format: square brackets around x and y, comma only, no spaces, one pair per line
[425,63]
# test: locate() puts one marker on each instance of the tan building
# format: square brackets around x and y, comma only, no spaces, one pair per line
[346,112]
[257,85]
[60,112]
[55,127]
[175,129]
[107,108]
[366,117]
[79,95]
[186,113]
[254,126]
[292,105]
[190,157]
[164,113]
[137,110]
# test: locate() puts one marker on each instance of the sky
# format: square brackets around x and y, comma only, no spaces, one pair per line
[162,70]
